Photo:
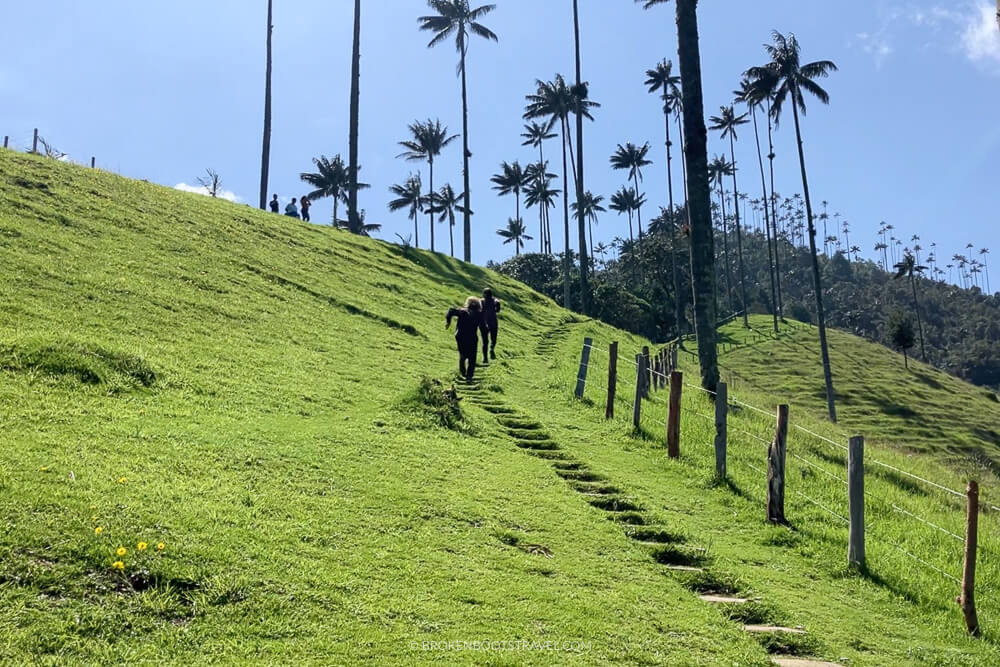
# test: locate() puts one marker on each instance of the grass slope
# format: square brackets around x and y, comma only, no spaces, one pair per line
[248,391]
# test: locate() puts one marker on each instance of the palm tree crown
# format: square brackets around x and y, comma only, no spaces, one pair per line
[631,157]
[409,195]
[429,138]
[535,133]
[331,179]
[727,121]
[510,180]
[785,77]
[662,78]
[455,16]
[515,233]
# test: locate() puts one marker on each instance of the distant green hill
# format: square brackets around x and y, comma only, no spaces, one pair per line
[272,403]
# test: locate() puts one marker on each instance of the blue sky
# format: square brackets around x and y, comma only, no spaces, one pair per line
[163,90]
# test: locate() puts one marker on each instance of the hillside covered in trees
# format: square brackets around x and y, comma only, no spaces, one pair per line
[634,291]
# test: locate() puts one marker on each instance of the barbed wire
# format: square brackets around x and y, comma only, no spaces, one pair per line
[929,523]
[817,467]
[821,506]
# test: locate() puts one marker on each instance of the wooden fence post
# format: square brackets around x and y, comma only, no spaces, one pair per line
[640,371]
[93,162]
[674,416]
[34,142]
[967,599]
[6,140]
[856,501]
[673,358]
[609,409]
[776,469]
[721,412]
[646,377]
[581,376]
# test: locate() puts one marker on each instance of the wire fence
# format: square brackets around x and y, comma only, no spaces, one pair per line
[754,424]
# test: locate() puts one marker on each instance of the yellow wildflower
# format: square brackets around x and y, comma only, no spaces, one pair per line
[44,468]
[122,480]
[142,546]
[118,565]
[99,530]
[121,551]
[160,546]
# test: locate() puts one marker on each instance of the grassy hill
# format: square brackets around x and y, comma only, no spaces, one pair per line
[270,401]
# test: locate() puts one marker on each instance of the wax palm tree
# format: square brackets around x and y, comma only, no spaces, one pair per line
[601,249]
[427,141]
[694,146]
[359,227]
[624,201]
[591,207]
[352,171]
[265,154]
[540,193]
[554,100]
[983,252]
[580,95]
[909,268]
[718,169]
[727,123]
[745,94]
[533,174]
[632,158]
[535,134]
[514,232]
[409,195]
[661,79]
[511,179]
[330,180]
[790,79]
[445,203]
[455,16]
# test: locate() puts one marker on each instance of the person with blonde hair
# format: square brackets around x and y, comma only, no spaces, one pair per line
[466,327]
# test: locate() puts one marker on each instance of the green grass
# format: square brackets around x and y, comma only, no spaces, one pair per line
[273,401]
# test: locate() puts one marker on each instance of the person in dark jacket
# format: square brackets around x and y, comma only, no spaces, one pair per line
[488,324]
[468,320]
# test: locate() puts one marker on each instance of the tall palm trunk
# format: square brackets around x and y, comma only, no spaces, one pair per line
[774,212]
[335,198]
[265,154]
[638,209]
[630,237]
[580,213]
[699,197]
[590,227]
[451,232]
[767,220]
[430,198]
[678,306]
[820,317]
[725,248]
[739,233]
[916,309]
[466,220]
[566,259]
[352,201]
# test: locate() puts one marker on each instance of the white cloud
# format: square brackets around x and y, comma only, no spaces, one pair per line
[876,45]
[981,39]
[968,28]
[201,190]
